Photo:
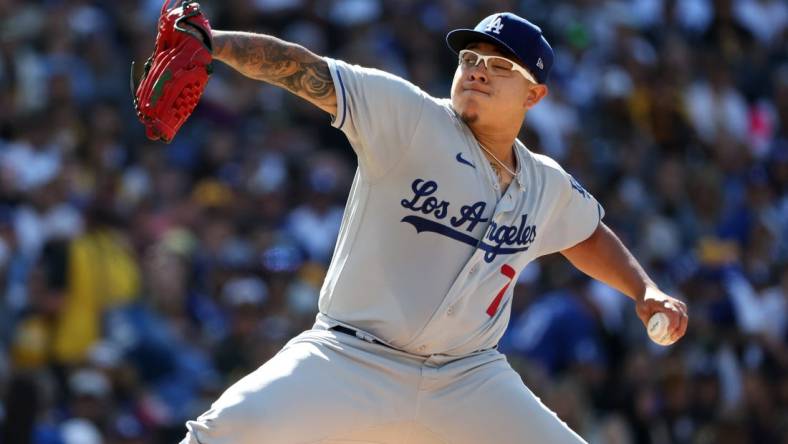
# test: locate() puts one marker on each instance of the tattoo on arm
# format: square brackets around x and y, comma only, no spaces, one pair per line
[281,63]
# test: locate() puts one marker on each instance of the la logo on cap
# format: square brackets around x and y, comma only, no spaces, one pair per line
[539,63]
[495,26]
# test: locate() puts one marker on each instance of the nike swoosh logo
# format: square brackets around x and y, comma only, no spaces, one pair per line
[461,160]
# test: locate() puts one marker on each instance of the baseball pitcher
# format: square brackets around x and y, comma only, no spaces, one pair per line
[446,209]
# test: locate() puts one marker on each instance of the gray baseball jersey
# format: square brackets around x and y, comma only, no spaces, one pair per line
[426,257]
[429,246]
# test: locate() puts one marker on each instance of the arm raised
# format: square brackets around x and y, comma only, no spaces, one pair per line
[284,64]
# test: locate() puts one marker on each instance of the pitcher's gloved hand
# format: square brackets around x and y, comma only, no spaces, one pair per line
[176,73]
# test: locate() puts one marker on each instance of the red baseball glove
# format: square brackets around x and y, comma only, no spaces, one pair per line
[176,73]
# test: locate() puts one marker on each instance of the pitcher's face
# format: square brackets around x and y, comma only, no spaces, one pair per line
[488,88]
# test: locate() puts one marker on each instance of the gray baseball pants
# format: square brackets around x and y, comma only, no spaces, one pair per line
[329,387]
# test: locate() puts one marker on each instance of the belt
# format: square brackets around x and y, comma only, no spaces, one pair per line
[355,333]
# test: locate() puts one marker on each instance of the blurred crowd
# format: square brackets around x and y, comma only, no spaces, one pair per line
[138,280]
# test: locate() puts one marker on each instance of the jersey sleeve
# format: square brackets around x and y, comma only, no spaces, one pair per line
[575,217]
[377,111]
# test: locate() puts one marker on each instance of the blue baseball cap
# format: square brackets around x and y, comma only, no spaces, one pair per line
[521,37]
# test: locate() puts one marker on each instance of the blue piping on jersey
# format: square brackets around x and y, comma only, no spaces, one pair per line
[344,99]
[422,224]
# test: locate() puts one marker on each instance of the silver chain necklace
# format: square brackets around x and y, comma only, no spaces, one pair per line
[514,174]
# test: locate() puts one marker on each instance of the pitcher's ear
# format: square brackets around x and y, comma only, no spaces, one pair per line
[535,94]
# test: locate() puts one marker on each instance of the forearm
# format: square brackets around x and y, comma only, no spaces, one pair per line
[284,64]
[605,258]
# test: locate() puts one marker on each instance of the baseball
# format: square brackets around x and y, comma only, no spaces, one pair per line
[658,327]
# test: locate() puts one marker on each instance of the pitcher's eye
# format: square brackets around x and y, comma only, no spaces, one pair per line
[501,64]
[468,59]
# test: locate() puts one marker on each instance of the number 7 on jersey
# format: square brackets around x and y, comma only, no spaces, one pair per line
[507,271]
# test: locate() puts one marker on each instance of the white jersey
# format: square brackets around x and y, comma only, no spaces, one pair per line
[429,248]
